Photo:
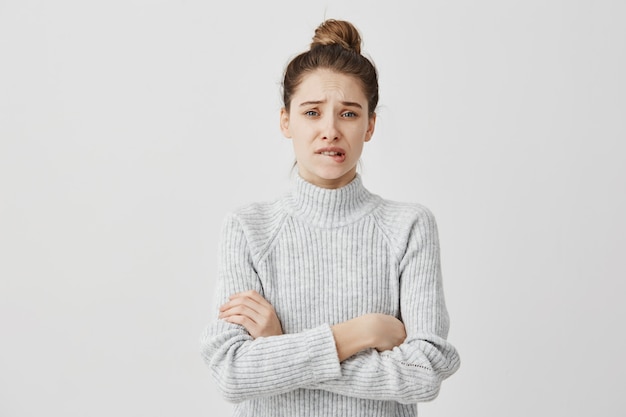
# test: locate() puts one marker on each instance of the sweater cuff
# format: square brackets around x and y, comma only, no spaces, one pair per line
[323,354]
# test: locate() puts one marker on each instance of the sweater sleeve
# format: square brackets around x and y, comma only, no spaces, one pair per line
[246,368]
[413,371]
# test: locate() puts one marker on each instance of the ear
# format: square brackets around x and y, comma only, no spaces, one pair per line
[284,123]
[370,127]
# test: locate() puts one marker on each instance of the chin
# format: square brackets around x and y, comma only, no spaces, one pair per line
[344,177]
[332,174]
[328,173]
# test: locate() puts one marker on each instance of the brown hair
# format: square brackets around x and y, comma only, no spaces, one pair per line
[336,46]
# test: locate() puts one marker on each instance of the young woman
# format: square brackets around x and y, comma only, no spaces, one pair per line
[331,300]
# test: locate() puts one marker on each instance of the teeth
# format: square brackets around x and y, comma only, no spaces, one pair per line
[330,153]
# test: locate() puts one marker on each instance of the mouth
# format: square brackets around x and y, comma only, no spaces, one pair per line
[336,154]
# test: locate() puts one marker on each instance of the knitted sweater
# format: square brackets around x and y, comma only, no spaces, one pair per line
[321,257]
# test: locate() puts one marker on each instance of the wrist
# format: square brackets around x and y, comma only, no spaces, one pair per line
[370,329]
[352,337]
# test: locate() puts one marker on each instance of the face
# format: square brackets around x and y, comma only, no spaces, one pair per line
[328,123]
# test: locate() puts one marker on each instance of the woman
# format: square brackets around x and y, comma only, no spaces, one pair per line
[331,301]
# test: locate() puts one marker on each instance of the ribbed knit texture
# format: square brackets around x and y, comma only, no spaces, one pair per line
[321,257]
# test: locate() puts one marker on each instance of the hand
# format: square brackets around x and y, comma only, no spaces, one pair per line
[378,331]
[387,331]
[250,310]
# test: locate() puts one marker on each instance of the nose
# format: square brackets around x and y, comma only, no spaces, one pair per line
[330,130]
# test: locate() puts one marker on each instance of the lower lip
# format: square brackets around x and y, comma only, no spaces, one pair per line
[336,158]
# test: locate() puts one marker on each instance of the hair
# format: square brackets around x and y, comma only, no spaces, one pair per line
[336,46]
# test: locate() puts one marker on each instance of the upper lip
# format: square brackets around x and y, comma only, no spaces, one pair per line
[331,149]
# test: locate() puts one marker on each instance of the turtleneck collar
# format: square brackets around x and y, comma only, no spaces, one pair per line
[326,207]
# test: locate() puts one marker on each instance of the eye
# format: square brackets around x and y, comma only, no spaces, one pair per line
[311,113]
[349,114]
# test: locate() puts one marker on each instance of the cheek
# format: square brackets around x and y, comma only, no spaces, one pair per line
[359,151]
[296,131]
[298,147]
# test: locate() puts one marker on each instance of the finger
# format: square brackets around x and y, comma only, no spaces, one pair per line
[244,321]
[241,310]
[255,297]
[237,297]
[249,293]
[256,303]
[252,295]
[233,301]
[242,303]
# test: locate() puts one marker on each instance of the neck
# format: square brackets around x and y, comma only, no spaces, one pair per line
[330,207]
[332,183]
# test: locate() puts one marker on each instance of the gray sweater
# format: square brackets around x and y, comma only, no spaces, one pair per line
[320,257]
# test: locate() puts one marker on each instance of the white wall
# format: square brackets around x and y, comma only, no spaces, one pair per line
[129,128]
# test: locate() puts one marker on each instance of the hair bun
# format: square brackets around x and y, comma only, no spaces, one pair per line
[337,32]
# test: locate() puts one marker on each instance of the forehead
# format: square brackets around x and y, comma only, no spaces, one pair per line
[326,84]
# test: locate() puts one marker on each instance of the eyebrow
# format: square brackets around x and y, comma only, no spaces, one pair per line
[345,103]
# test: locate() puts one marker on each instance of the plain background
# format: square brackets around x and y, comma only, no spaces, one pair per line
[128,129]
